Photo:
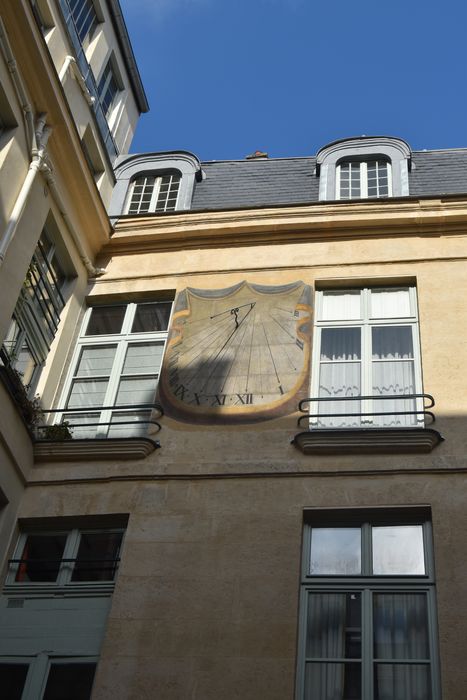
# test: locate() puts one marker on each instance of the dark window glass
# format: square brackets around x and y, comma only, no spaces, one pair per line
[41,558]
[106,320]
[69,682]
[151,317]
[331,681]
[334,626]
[402,682]
[97,554]
[12,680]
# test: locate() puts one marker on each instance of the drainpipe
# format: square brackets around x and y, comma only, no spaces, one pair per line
[37,135]
[38,154]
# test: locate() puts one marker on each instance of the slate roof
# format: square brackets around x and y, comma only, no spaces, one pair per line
[283,181]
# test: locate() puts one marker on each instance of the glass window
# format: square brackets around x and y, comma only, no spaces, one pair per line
[149,193]
[37,313]
[67,557]
[366,347]
[123,372]
[84,17]
[41,558]
[108,89]
[77,678]
[12,679]
[368,609]
[363,179]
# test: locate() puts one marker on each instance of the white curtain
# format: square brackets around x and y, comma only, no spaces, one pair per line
[325,639]
[400,633]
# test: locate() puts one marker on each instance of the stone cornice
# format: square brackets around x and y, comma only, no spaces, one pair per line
[401,217]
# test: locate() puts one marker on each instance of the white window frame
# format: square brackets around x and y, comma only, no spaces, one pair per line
[64,577]
[154,204]
[366,323]
[363,179]
[122,341]
[38,670]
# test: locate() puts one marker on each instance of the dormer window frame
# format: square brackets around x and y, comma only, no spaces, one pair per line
[159,192]
[363,150]
[365,183]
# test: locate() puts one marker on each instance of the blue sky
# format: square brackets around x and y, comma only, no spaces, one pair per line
[227,77]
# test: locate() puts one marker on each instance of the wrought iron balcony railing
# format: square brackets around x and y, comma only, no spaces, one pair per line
[84,423]
[340,415]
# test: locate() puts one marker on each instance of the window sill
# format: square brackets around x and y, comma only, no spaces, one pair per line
[94,449]
[367,441]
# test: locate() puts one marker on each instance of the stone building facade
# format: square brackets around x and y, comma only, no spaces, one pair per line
[249,476]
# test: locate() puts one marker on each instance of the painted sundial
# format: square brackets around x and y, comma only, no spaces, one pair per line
[237,354]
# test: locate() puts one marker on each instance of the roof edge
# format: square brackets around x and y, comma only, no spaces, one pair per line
[128,54]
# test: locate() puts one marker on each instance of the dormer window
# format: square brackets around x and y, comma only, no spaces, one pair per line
[149,193]
[363,168]
[154,183]
[363,179]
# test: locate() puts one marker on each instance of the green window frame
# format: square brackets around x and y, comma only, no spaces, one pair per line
[366,630]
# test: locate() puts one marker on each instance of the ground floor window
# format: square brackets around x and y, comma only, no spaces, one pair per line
[47,678]
[368,613]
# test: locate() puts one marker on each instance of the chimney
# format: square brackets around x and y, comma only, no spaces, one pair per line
[257,155]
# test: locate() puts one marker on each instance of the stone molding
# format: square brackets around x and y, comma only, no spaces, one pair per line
[370,441]
[93,449]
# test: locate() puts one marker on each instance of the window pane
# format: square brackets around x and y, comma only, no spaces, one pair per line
[88,393]
[75,678]
[143,358]
[129,423]
[96,361]
[105,320]
[335,550]
[83,419]
[402,682]
[96,556]
[334,626]
[394,378]
[340,344]
[333,681]
[340,380]
[151,317]
[136,391]
[398,550]
[42,555]
[341,306]
[12,680]
[392,342]
[390,303]
[400,626]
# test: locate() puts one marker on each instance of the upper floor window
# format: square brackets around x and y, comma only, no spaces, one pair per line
[37,313]
[368,607]
[364,167]
[367,359]
[355,180]
[42,14]
[108,89]
[84,16]
[115,369]
[149,193]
